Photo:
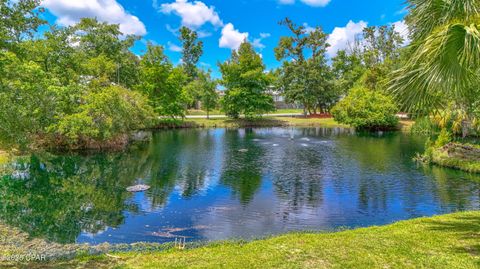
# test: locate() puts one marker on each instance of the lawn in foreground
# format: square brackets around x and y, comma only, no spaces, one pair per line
[449,241]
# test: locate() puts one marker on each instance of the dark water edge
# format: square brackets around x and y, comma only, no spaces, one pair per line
[215,184]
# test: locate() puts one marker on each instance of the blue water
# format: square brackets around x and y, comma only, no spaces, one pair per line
[218,184]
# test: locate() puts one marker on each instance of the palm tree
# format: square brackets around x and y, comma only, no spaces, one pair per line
[444,66]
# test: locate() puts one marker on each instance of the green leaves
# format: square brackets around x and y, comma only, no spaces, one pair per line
[246,82]
[366,109]
[305,76]
[192,50]
[103,115]
[444,64]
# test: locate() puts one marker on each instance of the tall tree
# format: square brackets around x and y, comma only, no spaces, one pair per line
[305,74]
[19,20]
[162,83]
[205,88]
[244,78]
[192,50]
[347,67]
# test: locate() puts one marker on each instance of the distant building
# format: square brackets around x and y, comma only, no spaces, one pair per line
[279,99]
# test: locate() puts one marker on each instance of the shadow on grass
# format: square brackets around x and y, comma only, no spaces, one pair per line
[465,228]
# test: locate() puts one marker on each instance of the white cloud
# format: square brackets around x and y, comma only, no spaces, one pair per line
[257,42]
[231,38]
[69,12]
[342,37]
[402,28]
[265,35]
[313,3]
[193,14]
[308,28]
[174,47]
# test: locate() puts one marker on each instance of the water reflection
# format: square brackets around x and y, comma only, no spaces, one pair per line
[223,183]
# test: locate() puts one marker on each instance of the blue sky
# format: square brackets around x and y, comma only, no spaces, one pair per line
[223,24]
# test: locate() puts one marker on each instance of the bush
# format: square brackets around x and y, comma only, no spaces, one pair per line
[366,109]
[104,115]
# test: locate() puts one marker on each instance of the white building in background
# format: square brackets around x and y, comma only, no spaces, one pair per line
[278,98]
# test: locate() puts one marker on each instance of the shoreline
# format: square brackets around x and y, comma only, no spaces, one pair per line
[443,241]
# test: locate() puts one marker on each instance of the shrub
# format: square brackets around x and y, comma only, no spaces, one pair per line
[366,109]
[443,138]
[105,114]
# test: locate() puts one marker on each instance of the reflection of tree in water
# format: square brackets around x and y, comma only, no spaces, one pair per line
[298,177]
[242,171]
[180,159]
[381,170]
[59,197]
[454,187]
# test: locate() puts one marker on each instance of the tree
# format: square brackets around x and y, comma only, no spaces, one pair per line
[192,50]
[19,20]
[305,74]
[49,85]
[162,83]
[246,83]
[99,39]
[366,109]
[347,68]
[444,65]
[206,89]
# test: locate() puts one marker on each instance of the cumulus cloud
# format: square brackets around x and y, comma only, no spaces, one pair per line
[69,12]
[313,3]
[257,42]
[342,37]
[193,14]
[402,28]
[231,38]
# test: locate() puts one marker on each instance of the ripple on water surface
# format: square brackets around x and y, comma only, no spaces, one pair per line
[229,183]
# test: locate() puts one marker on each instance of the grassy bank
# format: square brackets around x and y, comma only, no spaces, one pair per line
[448,241]
[194,112]
[263,122]
[465,157]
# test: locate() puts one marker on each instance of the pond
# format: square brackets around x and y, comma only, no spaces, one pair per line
[214,184]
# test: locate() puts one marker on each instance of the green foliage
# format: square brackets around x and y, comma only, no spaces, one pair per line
[246,83]
[425,126]
[67,85]
[443,138]
[192,50]
[205,89]
[366,109]
[162,83]
[445,55]
[105,114]
[19,20]
[347,69]
[305,76]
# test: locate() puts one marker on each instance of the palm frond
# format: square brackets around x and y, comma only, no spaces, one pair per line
[445,65]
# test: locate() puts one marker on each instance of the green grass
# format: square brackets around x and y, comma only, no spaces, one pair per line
[193,112]
[458,159]
[448,241]
[262,122]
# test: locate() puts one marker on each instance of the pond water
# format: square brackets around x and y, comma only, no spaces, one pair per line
[230,183]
